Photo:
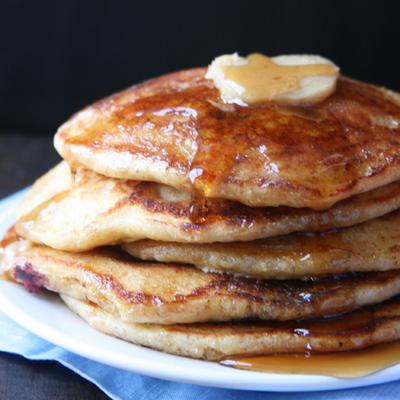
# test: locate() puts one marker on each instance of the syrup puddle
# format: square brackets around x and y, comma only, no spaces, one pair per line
[346,364]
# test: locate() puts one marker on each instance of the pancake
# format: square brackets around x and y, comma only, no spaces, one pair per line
[379,324]
[176,130]
[171,293]
[87,210]
[370,246]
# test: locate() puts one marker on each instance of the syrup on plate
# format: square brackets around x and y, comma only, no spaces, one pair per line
[346,364]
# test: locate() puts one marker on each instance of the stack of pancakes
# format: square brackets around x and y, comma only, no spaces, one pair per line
[205,229]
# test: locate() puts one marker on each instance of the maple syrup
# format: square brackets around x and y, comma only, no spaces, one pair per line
[244,154]
[346,364]
[342,364]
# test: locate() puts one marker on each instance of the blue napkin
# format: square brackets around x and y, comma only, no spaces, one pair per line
[119,384]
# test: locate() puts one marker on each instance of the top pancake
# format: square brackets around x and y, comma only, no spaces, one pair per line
[176,130]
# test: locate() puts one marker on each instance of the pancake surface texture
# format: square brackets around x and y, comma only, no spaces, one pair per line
[376,325]
[176,130]
[205,229]
[370,246]
[170,293]
[80,211]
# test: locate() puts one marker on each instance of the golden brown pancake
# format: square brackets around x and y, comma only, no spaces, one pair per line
[87,210]
[214,341]
[170,293]
[176,130]
[371,246]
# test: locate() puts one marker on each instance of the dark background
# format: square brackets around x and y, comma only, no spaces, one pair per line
[57,56]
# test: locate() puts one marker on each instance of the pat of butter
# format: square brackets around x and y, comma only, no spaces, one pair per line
[289,79]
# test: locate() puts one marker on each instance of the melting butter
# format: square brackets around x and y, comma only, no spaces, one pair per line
[291,79]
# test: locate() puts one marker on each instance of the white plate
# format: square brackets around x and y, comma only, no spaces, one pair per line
[46,316]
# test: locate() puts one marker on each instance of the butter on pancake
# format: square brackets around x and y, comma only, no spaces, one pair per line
[83,210]
[177,131]
[289,79]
